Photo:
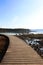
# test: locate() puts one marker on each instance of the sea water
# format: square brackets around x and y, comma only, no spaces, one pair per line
[9,33]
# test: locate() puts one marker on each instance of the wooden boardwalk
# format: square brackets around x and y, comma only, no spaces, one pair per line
[19,53]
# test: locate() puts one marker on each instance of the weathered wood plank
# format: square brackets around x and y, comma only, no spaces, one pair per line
[19,53]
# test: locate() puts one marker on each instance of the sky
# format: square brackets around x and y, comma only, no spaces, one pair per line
[21,14]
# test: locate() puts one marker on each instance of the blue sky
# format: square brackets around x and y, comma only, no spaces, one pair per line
[21,14]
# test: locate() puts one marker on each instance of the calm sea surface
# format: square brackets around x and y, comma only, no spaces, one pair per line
[38,32]
[8,33]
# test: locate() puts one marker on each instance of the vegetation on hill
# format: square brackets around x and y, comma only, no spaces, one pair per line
[19,30]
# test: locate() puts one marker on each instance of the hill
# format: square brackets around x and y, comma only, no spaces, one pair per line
[19,30]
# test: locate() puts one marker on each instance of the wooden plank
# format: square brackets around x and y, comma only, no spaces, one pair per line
[19,53]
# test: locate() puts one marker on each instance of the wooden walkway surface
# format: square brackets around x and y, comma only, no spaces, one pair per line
[19,53]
